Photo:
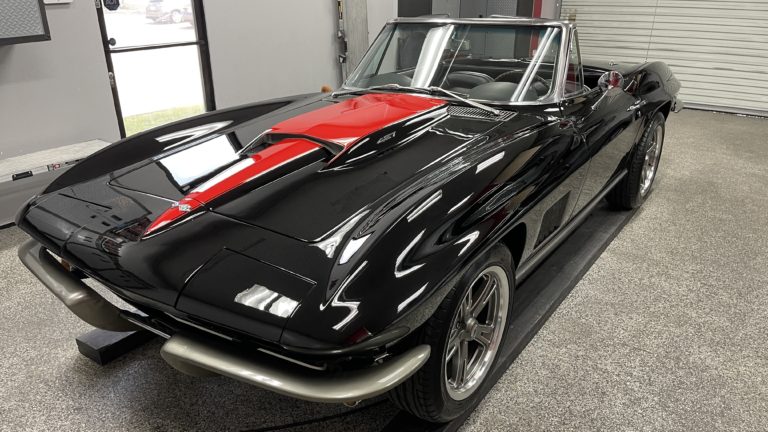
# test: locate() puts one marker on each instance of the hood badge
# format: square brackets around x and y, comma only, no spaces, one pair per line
[386,138]
[185,208]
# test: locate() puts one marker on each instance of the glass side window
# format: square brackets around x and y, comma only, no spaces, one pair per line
[574,79]
[512,63]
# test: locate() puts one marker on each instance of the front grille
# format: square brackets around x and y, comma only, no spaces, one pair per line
[477,113]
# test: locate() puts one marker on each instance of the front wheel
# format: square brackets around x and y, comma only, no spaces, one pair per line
[634,188]
[466,334]
[176,17]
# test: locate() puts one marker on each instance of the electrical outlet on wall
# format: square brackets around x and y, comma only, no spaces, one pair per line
[56,1]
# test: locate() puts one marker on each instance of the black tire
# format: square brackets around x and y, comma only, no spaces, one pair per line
[629,192]
[426,394]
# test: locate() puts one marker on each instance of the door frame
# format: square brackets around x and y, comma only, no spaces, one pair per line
[204,56]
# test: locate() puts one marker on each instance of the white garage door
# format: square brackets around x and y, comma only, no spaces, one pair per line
[717,48]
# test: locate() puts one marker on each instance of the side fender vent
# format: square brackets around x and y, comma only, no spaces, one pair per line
[552,219]
[477,113]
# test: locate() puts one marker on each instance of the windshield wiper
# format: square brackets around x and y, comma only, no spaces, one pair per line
[428,90]
[397,87]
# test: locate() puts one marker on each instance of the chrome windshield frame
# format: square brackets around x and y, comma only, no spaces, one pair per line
[561,68]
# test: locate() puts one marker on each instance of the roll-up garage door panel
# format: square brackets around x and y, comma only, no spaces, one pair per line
[715,47]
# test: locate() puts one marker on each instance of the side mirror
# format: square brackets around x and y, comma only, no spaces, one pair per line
[607,81]
[610,80]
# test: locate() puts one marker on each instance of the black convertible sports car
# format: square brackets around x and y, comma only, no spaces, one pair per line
[335,247]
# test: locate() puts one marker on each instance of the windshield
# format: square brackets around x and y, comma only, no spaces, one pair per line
[484,62]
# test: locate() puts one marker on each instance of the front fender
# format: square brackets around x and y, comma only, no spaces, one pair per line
[403,265]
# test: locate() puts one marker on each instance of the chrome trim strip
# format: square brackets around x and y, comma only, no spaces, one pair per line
[490,20]
[292,360]
[199,327]
[199,357]
[78,297]
[525,269]
[146,326]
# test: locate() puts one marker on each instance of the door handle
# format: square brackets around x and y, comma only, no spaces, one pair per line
[637,105]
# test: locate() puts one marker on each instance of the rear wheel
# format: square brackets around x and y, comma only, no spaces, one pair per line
[465,333]
[635,187]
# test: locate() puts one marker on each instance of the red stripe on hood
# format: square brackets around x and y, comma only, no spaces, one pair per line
[237,175]
[348,121]
[344,123]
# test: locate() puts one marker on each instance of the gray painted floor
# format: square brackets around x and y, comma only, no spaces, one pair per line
[667,331]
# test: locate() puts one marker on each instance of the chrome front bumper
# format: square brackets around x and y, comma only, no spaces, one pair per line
[202,355]
[81,299]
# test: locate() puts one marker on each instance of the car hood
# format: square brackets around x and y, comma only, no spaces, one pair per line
[305,175]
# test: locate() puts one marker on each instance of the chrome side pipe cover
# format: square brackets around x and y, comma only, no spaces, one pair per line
[78,297]
[198,356]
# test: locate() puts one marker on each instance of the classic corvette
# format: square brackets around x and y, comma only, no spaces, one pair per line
[338,246]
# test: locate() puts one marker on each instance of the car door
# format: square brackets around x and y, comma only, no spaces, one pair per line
[608,121]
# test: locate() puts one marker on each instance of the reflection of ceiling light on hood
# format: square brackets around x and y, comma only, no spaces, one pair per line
[400,271]
[332,240]
[469,239]
[352,247]
[191,134]
[490,161]
[435,197]
[264,299]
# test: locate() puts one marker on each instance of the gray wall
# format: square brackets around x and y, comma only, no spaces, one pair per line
[475,8]
[266,49]
[356,30]
[56,92]
[379,12]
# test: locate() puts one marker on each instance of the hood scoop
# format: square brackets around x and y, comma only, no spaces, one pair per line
[358,127]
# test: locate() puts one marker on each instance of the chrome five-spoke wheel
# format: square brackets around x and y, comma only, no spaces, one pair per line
[476,333]
[652,156]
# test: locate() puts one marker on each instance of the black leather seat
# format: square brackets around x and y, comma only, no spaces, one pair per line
[515,76]
[499,91]
[464,81]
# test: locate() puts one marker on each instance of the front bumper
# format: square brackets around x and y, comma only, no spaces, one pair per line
[677,105]
[81,299]
[200,355]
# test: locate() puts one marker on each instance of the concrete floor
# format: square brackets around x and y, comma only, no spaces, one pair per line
[667,331]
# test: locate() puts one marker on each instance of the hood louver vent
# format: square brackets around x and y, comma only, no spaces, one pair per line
[477,113]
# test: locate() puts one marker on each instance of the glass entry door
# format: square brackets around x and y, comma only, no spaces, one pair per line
[158,61]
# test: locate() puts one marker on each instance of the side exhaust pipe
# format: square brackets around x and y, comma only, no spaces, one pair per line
[200,356]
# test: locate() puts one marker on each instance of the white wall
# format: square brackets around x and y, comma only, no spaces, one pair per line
[267,49]
[56,92]
[550,9]
[379,12]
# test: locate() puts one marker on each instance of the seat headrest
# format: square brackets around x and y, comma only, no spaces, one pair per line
[466,79]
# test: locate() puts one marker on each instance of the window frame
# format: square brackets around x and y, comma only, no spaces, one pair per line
[574,39]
